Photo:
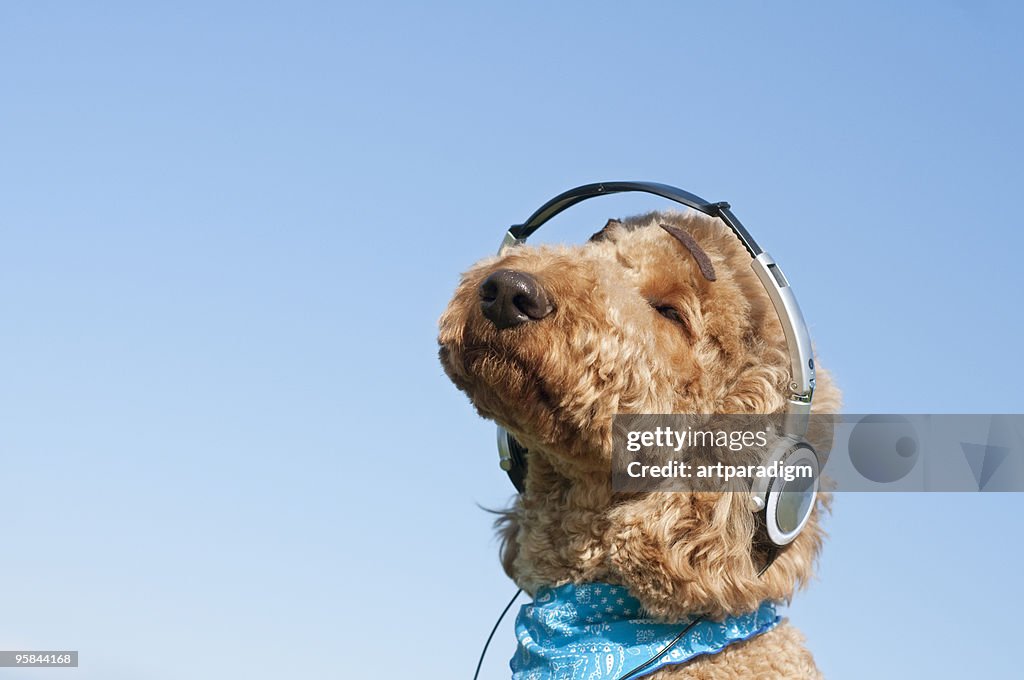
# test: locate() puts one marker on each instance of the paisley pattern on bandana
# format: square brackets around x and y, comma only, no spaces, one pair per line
[598,631]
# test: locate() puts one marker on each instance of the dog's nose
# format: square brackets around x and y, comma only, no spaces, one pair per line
[509,298]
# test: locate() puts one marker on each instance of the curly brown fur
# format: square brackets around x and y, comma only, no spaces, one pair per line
[608,348]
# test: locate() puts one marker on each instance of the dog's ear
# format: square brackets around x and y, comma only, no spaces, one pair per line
[681,553]
[603,234]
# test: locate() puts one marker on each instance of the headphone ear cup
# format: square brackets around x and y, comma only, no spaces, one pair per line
[512,458]
[784,503]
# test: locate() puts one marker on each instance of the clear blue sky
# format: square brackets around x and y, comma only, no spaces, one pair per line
[227,230]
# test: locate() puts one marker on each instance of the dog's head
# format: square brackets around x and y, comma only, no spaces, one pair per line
[656,314]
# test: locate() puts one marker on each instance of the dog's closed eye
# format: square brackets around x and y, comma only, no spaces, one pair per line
[674,315]
[669,312]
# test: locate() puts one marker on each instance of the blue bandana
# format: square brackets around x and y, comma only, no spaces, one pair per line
[597,631]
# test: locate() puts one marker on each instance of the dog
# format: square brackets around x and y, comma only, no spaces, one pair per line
[659,313]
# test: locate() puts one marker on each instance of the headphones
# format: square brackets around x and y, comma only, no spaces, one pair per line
[782,507]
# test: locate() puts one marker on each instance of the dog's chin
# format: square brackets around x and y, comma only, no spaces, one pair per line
[504,378]
[508,388]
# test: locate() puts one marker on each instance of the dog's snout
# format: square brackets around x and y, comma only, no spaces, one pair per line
[509,298]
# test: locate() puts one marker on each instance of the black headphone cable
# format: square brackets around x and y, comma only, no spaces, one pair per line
[497,623]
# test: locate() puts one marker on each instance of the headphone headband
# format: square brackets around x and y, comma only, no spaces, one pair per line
[570,198]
